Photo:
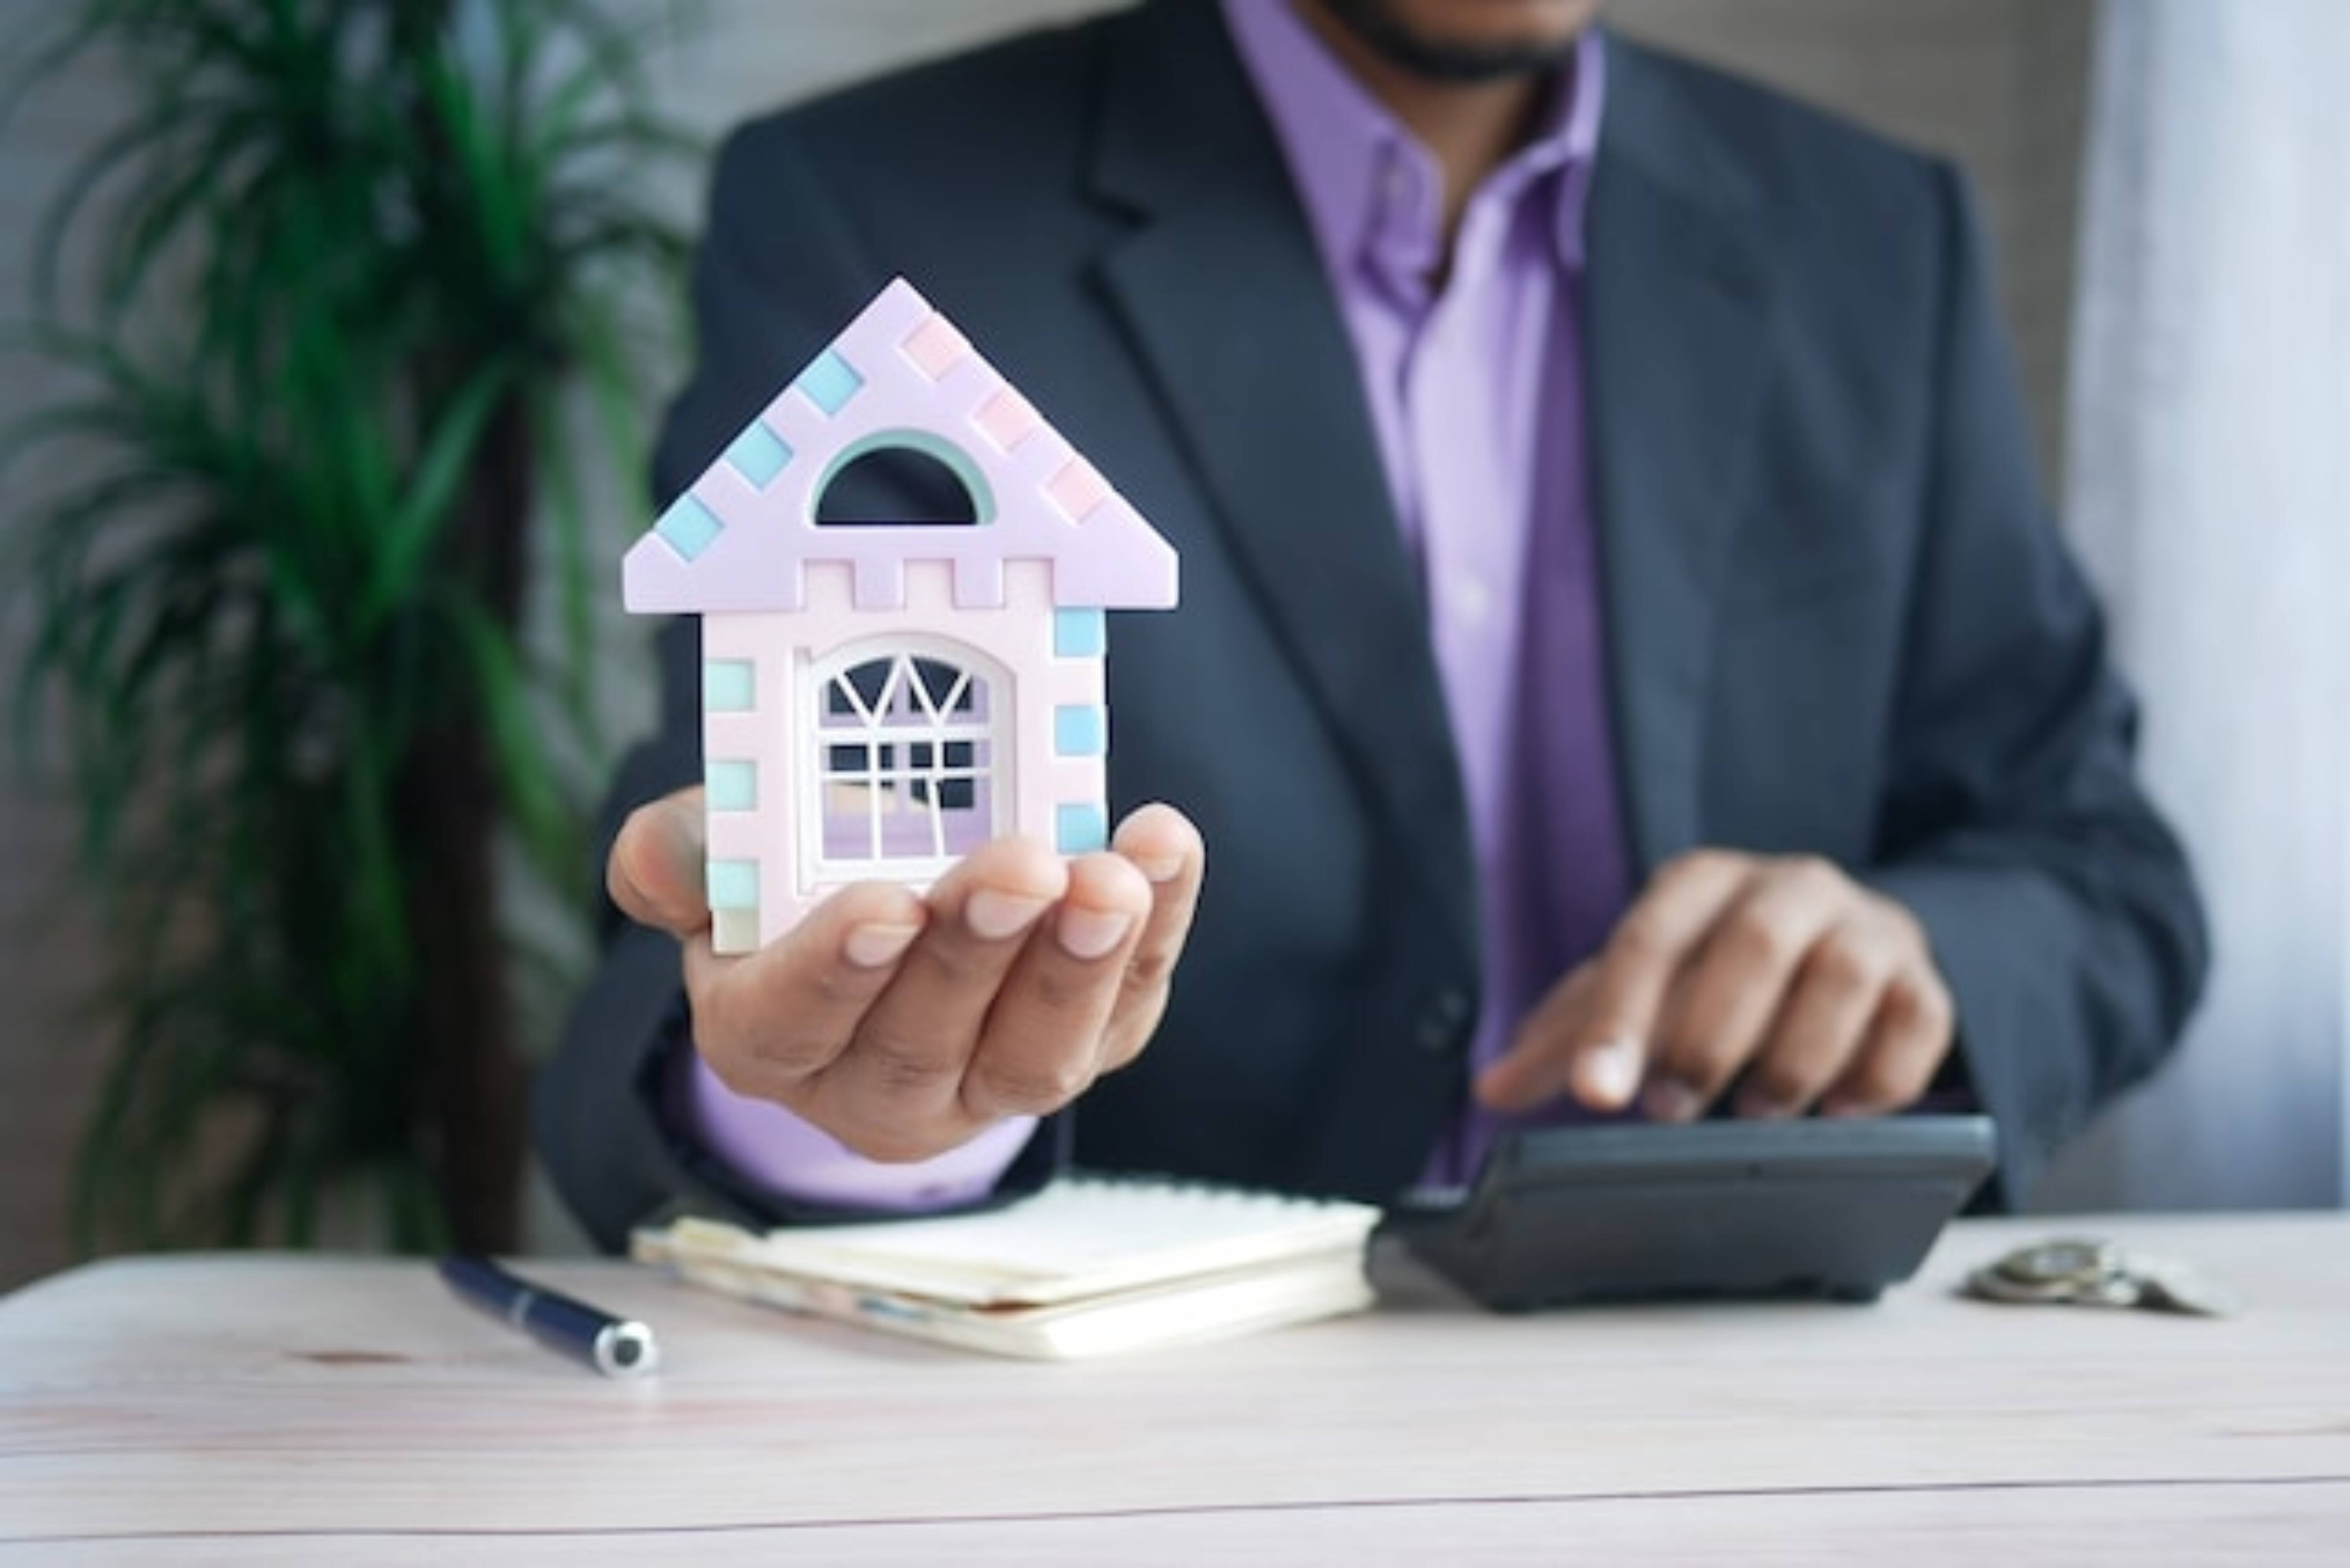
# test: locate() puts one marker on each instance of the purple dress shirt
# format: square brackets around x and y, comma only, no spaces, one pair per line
[1475,395]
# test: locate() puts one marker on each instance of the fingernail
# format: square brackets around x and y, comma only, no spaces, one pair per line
[1671,1100]
[1090,933]
[1159,867]
[1843,1108]
[875,945]
[995,916]
[1756,1105]
[1610,1073]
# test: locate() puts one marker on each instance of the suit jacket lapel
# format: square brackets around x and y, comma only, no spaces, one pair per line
[1223,295]
[1677,304]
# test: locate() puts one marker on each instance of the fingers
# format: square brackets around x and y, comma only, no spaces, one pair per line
[1866,1025]
[1825,1021]
[770,1021]
[894,1093]
[1041,1044]
[1779,974]
[1912,1033]
[655,871]
[903,1026]
[1652,943]
[1598,1045]
[1550,1057]
[1161,843]
[1735,983]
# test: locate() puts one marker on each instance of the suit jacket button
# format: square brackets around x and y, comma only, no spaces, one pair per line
[1443,1023]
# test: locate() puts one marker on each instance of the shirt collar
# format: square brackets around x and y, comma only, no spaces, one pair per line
[1371,192]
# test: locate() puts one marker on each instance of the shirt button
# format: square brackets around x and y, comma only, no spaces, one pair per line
[1471,600]
[1443,1021]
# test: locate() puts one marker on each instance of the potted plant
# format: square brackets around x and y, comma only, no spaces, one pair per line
[341,281]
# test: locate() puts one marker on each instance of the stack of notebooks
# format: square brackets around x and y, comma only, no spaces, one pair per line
[1090,1266]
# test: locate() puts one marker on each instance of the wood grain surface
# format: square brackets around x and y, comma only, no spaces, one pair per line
[274,1408]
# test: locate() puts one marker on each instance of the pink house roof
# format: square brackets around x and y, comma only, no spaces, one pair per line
[900,375]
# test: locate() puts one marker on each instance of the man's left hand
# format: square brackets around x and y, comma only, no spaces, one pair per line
[1780,975]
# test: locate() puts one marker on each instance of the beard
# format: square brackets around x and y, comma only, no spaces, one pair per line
[1381,26]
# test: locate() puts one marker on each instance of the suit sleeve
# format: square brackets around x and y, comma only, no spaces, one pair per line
[2061,909]
[777,272]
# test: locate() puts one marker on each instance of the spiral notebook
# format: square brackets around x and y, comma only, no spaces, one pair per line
[1090,1266]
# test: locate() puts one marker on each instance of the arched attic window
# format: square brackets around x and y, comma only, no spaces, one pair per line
[903,479]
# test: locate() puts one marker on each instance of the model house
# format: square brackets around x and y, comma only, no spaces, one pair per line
[881,697]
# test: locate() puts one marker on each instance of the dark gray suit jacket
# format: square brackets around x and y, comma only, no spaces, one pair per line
[1838,619]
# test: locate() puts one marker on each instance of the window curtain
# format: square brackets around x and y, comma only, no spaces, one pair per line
[2208,487]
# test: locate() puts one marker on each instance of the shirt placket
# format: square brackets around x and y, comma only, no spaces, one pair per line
[1461,424]
[1469,393]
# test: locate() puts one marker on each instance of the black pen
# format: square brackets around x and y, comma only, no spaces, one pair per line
[613,1346]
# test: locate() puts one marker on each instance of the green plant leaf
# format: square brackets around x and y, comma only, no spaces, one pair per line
[423,510]
[312,301]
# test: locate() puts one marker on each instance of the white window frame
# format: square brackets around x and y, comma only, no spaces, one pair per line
[991,737]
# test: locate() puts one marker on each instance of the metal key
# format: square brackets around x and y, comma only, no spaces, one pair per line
[2074,1272]
[2165,1286]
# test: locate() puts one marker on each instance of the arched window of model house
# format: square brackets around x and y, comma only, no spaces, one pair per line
[902,479]
[908,756]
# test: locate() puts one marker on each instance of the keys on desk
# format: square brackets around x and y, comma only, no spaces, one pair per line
[2079,1272]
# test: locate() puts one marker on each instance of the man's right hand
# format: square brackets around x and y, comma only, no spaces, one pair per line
[904,1026]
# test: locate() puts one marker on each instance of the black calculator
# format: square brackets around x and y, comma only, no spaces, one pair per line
[1829,1208]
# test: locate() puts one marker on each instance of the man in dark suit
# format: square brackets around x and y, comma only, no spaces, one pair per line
[1623,661]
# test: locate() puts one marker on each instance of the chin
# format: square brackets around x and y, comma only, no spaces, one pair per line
[1467,39]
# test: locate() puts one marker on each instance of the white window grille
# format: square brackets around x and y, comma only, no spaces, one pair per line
[906,761]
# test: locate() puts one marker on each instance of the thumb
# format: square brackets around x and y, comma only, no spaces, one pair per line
[655,872]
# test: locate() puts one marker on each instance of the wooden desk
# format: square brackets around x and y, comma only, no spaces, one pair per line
[273,1408]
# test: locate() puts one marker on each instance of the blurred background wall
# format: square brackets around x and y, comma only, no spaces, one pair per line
[2001,85]
[48,1057]
[2207,484]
